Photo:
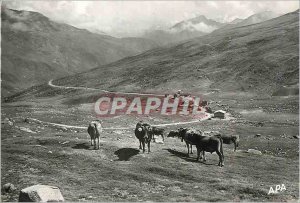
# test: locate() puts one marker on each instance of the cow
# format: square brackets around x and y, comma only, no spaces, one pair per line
[157,131]
[142,134]
[152,130]
[227,139]
[176,134]
[203,143]
[94,130]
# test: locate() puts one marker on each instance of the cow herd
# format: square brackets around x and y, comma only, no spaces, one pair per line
[204,141]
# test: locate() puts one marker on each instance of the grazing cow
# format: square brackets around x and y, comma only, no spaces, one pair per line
[157,131]
[154,131]
[94,130]
[188,144]
[227,139]
[203,143]
[142,134]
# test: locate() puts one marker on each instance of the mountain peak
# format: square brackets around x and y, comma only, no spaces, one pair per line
[200,23]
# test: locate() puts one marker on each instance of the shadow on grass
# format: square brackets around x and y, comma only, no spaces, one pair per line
[185,156]
[82,146]
[125,154]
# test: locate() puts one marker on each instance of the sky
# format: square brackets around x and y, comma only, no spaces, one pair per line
[132,18]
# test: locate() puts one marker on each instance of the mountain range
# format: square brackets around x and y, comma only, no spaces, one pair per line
[253,54]
[199,26]
[260,58]
[36,49]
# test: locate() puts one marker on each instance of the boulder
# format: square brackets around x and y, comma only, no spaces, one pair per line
[254,151]
[41,193]
[258,135]
[8,187]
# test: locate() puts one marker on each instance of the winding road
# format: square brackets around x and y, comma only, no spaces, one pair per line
[50,83]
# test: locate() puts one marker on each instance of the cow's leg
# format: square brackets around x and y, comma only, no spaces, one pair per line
[198,153]
[149,146]
[98,142]
[204,158]
[91,141]
[140,144]
[191,149]
[143,143]
[220,158]
[162,135]
[94,143]
[188,147]
[234,146]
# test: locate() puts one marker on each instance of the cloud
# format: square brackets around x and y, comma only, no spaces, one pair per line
[131,18]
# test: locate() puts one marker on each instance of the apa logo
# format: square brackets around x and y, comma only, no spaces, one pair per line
[279,188]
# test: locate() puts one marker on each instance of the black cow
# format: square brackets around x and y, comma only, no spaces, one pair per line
[227,139]
[142,134]
[203,143]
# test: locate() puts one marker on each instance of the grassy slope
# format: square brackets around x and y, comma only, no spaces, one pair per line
[118,172]
[36,49]
[260,58]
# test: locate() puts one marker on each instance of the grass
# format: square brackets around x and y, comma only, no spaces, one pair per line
[120,172]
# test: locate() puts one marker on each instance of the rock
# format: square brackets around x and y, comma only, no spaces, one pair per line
[27,130]
[254,151]
[258,135]
[8,187]
[296,136]
[41,193]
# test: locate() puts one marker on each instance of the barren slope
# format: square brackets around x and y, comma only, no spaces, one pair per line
[36,49]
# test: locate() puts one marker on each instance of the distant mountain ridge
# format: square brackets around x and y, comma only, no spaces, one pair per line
[199,23]
[253,19]
[36,49]
[259,58]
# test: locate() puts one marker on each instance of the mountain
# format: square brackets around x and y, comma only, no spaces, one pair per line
[253,19]
[184,30]
[200,23]
[258,18]
[236,20]
[259,58]
[36,49]
[167,37]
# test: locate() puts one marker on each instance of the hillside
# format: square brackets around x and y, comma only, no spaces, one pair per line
[258,58]
[36,49]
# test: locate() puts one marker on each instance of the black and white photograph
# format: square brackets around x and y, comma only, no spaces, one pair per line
[149,101]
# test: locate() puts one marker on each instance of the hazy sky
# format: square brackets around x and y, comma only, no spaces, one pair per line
[130,18]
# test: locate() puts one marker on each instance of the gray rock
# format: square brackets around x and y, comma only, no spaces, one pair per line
[258,135]
[41,193]
[8,187]
[254,151]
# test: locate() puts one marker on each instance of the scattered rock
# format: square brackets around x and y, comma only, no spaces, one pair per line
[258,135]
[41,193]
[254,151]
[8,187]
[50,152]
[296,136]
[27,130]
